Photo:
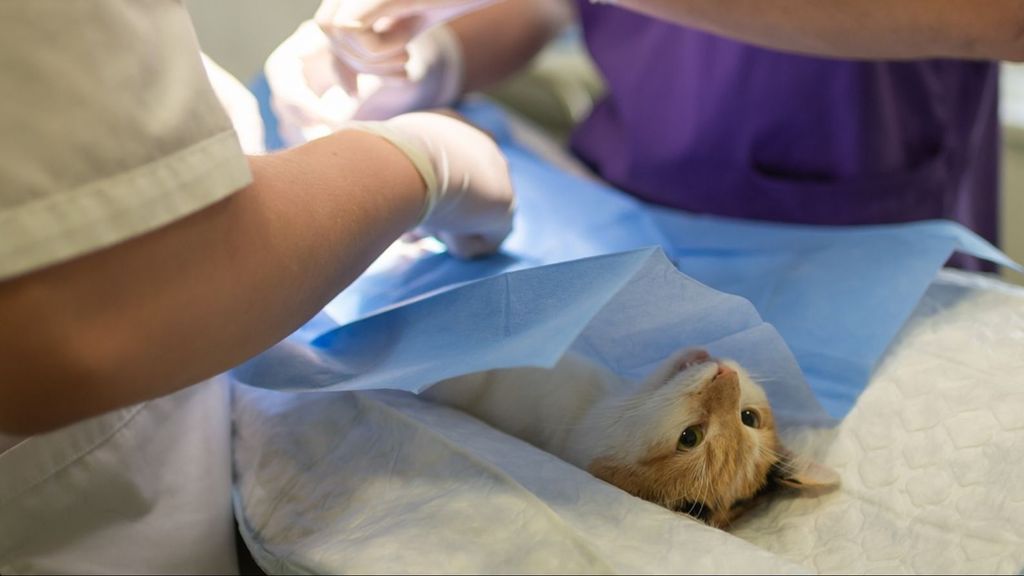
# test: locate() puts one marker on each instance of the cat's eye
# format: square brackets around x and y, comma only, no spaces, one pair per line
[750,418]
[690,438]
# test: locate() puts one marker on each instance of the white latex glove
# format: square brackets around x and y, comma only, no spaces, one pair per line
[469,202]
[311,100]
[241,106]
[370,36]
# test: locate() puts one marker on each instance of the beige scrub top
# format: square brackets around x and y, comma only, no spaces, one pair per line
[109,129]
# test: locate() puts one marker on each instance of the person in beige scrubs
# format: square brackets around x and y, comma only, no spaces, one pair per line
[142,252]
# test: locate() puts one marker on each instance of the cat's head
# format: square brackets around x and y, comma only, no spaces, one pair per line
[700,438]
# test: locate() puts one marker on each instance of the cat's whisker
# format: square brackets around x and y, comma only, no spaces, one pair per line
[705,481]
[777,459]
[760,378]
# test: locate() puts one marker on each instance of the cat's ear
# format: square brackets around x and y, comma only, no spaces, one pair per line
[802,474]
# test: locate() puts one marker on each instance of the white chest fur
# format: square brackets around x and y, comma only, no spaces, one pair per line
[549,408]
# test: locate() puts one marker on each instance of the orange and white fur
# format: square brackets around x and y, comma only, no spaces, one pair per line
[697,436]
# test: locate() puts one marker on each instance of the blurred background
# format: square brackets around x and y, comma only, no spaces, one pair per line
[239,34]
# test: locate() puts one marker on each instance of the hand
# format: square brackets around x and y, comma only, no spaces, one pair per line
[469,201]
[311,99]
[371,36]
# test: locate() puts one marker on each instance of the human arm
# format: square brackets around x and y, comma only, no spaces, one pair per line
[500,39]
[313,73]
[167,309]
[141,251]
[868,29]
[496,36]
[180,304]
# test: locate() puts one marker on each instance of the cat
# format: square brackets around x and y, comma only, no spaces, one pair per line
[697,436]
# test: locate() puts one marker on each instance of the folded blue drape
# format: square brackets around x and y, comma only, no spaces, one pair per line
[836,295]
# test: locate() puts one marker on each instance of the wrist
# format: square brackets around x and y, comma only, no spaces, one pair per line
[404,147]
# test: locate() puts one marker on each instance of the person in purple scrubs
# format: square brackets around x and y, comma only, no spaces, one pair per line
[706,124]
[845,112]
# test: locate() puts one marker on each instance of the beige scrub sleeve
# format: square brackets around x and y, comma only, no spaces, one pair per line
[108,127]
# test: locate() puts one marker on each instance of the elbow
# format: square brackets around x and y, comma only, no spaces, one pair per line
[56,360]
[21,416]
[43,389]
[1015,50]
[1004,40]
[987,31]
[1011,48]
[1016,43]
[53,371]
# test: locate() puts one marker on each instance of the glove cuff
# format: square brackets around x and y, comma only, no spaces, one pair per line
[413,151]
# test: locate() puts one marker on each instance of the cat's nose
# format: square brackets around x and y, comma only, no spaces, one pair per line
[723,391]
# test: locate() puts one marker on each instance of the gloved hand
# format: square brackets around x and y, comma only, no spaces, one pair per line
[469,202]
[311,99]
[370,36]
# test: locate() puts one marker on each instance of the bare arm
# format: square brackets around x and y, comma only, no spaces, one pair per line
[876,29]
[501,39]
[185,302]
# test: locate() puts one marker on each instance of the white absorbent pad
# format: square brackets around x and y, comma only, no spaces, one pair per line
[931,459]
[932,454]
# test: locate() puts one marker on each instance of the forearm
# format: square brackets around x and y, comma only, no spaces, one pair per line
[183,303]
[874,29]
[503,38]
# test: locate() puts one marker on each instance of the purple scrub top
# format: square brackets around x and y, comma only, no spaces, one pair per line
[710,125]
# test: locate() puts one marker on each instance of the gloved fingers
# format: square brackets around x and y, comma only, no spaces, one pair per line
[387,98]
[373,49]
[355,13]
[364,48]
[348,67]
[413,236]
[298,69]
[467,247]
[315,91]
[298,110]
[391,68]
[367,12]
[348,77]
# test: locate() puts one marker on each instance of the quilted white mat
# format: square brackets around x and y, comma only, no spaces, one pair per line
[931,457]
